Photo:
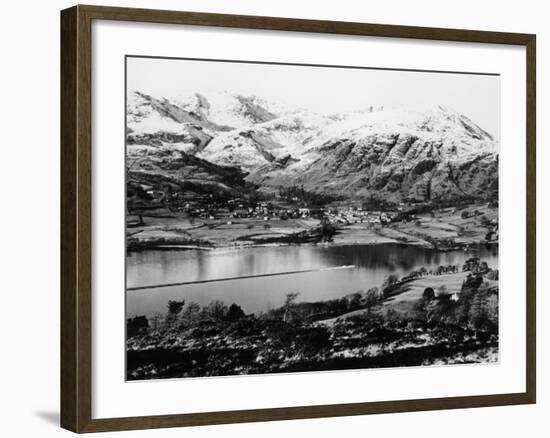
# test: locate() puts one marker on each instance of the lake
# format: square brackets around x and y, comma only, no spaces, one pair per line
[372,264]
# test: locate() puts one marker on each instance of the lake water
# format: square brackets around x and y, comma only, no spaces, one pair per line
[373,263]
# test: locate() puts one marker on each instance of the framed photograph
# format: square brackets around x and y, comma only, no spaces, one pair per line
[271,218]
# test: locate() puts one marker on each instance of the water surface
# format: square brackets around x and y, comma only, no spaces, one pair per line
[373,263]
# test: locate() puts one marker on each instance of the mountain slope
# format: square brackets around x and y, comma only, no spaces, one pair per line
[164,176]
[424,153]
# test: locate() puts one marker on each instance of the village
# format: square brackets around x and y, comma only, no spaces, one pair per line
[267,211]
[209,220]
[276,207]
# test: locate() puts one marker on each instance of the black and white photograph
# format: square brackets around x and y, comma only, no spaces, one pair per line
[285,218]
[252,219]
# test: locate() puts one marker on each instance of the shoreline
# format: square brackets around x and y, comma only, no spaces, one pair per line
[151,246]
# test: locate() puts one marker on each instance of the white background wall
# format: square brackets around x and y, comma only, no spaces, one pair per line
[29,214]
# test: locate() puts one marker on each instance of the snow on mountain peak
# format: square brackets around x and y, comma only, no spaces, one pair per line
[395,150]
[251,129]
[429,122]
[229,109]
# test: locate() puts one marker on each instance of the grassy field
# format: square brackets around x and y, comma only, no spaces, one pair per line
[408,295]
[412,292]
[226,231]
[451,225]
[215,232]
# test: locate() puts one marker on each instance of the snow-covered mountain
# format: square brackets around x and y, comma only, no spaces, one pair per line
[422,153]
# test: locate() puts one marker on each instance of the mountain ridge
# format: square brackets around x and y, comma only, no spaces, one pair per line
[422,153]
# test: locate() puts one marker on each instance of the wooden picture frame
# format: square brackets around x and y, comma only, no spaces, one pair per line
[76,217]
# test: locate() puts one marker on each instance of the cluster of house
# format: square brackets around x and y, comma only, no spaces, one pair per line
[348,216]
[266,211]
[236,209]
[206,207]
[342,215]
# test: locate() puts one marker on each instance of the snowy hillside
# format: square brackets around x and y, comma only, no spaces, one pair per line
[428,152]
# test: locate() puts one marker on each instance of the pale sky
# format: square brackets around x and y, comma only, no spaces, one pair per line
[322,89]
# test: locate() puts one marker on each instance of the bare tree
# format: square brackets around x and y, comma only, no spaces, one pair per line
[372,297]
[290,299]
[174,309]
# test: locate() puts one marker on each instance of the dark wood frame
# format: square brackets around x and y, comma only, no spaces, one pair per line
[76,218]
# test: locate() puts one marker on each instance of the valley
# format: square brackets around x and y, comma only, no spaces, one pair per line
[228,170]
